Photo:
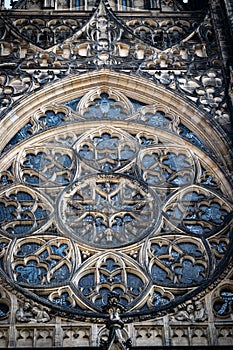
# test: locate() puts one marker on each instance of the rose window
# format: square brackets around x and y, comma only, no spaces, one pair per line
[105,193]
[108,210]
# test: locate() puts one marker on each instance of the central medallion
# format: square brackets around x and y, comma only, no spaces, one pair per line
[108,210]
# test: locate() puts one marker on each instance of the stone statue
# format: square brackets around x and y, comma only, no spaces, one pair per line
[115,325]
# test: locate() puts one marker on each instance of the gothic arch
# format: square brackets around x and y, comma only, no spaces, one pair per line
[134,87]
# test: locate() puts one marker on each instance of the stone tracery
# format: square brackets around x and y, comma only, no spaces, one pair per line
[155,203]
[168,51]
[108,210]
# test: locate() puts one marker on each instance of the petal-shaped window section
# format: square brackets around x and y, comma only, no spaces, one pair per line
[106,149]
[198,211]
[110,273]
[177,261]
[42,261]
[171,167]
[23,210]
[46,166]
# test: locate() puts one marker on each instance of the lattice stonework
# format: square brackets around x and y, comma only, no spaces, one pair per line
[107,193]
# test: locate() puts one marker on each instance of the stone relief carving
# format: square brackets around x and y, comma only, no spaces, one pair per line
[32,313]
[191,312]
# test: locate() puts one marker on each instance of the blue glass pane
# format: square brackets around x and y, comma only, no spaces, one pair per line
[52,119]
[7,213]
[137,104]
[23,133]
[28,248]
[73,103]
[63,300]
[159,300]
[135,284]
[59,250]
[190,273]
[191,249]
[224,306]
[111,265]
[158,119]
[87,284]
[6,178]
[189,135]
[31,273]
[4,310]
[60,274]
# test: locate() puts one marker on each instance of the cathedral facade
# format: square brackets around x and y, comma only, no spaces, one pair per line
[116,174]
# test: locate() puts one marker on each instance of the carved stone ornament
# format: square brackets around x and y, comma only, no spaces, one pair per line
[178,53]
[191,312]
[31,313]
